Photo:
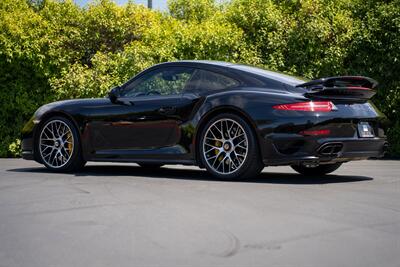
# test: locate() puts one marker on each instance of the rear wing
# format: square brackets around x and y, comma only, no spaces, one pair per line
[342,87]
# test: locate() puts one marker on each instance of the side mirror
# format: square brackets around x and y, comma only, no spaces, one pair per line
[113,94]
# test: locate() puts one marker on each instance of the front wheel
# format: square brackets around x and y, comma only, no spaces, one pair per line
[228,148]
[58,145]
[317,170]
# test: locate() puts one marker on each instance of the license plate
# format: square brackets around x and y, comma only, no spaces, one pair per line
[365,130]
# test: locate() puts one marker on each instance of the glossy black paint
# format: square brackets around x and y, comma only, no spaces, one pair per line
[165,128]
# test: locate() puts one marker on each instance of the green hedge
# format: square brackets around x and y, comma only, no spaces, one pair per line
[51,50]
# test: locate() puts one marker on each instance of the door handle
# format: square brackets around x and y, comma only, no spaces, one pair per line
[166,110]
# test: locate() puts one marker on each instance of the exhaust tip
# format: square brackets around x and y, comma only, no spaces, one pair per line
[330,149]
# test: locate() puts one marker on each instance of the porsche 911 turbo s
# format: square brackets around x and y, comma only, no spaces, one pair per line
[231,119]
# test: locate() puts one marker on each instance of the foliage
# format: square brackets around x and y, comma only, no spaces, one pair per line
[199,10]
[51,50]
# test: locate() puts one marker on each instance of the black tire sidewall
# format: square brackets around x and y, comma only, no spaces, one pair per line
[252,147]
[76,154]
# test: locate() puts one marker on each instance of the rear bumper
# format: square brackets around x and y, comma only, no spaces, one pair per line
[325,150]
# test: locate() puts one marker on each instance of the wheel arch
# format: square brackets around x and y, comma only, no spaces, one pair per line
[215,112]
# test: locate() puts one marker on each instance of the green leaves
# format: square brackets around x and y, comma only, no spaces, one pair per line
[51,50]
[198,11]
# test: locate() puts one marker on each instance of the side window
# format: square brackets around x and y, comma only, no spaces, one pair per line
[204,80]
[163,81]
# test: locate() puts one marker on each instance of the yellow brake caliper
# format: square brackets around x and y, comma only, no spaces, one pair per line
[216,151]
[69,137]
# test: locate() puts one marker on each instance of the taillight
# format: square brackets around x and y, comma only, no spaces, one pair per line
[320,106]
[316,132]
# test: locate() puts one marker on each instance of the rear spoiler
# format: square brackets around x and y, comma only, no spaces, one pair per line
[342,87]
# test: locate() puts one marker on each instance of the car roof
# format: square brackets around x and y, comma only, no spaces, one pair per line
[199,62]
[252,70]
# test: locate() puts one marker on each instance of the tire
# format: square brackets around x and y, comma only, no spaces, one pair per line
[238,148]
[316,171]
[150,165]
[58,145]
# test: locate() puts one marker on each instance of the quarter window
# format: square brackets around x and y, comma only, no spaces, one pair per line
[204,80]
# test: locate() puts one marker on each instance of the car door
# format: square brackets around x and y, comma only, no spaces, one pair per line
[144,121]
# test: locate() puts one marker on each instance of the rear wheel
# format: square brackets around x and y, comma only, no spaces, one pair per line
[228,148]
[317,170]
[58,145]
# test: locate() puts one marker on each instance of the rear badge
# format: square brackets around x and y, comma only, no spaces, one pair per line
[365,130]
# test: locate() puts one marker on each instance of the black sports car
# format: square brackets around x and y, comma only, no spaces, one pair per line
[231,119]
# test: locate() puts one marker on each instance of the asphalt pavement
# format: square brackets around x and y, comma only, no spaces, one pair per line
[123,215]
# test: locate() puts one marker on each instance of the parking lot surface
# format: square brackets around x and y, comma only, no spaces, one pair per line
[123,215]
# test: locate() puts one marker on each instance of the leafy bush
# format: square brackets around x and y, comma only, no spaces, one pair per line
[199,10]
[51,50]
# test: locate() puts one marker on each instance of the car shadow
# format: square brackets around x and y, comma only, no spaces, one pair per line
[201,175]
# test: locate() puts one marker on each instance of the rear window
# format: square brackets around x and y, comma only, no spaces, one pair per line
[291,80]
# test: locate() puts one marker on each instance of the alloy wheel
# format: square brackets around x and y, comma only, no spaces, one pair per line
[56,143]
[225,146]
